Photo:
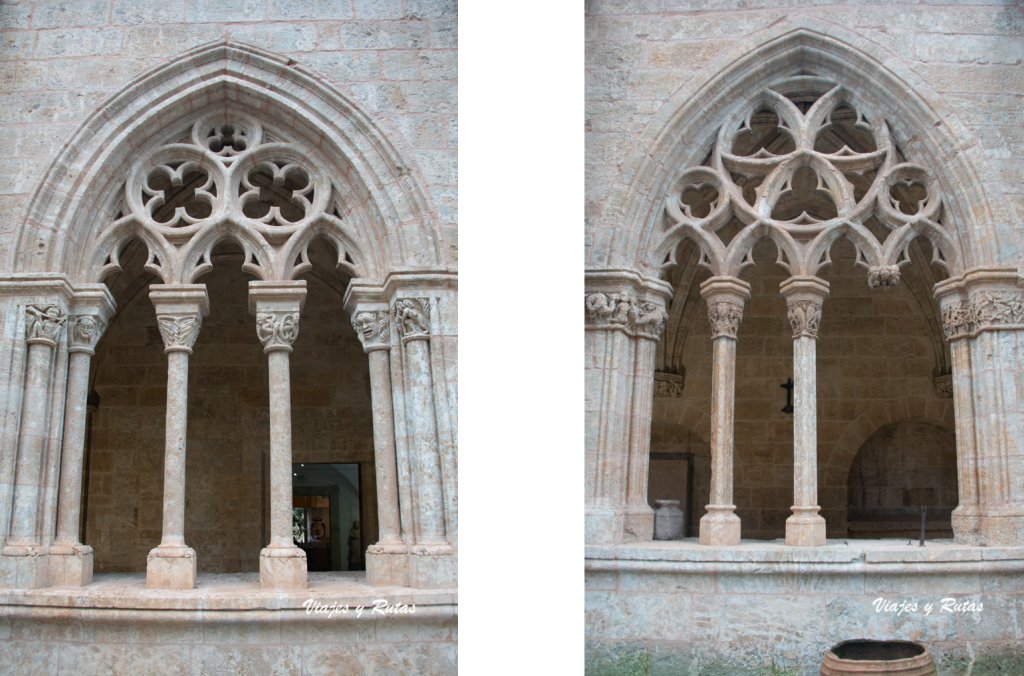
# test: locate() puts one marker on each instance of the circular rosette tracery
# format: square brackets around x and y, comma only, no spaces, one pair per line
[174,191]
[278,192]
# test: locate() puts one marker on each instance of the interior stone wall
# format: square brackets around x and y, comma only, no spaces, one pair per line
[228,426]
[876,358]
[901,468]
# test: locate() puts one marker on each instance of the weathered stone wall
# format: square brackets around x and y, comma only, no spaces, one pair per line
[764,612]
[59,61]
[228,427]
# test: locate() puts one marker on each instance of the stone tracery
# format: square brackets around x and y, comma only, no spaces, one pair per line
[804,163]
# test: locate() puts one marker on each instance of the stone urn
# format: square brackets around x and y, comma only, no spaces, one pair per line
[863,656]
[668,520]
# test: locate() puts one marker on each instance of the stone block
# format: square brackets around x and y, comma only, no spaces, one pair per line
[227,659]
[201,11]
[78,42]
[432,571]
[71,570]
[282,572]
[387,568]
[171,569]
[377,9]
[319,10]
[132,12]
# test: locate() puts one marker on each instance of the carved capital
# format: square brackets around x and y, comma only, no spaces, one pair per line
[84,331]
[883,275]
[804,317]
[608,309]
[725,317]
[277,330]
[44,324]
[623,311]
[373,328]
[412,318]
[648,319]
[996,309]
[957,320]
[668,385]
[943,385]
[179,331]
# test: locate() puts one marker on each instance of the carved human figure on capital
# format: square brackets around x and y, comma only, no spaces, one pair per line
[412,316]
[372,326]
[85,331]
[724,317]
[649,318]
[44,322]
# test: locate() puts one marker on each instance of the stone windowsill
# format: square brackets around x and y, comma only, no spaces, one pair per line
[841,555]
[227,592]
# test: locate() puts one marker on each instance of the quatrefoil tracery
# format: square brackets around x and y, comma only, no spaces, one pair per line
[226,178]
[803,164]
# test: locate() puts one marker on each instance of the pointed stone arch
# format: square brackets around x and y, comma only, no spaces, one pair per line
[625,231]
[392,221]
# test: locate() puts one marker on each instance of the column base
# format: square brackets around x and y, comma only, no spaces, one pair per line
[24,567]
[604,526]
[720,527]
[432,567]
[1006,529]
[171,567]
[70,565]
[638,523]
[805,527]
[387,565]
[966,527]
[283,568]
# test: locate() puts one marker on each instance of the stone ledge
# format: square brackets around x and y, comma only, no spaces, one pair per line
[228,592]
[836,556]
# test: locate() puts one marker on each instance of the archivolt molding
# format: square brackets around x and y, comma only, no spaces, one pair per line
[328,168]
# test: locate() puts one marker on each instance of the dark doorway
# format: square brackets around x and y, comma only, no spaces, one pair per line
[327,515]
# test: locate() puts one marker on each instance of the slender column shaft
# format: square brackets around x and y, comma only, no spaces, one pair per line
[426,460]
[280,449]
[277,306]
[805,422]
[174,449]
[31,444]
[804,298]
[723,392]
[180,309]
[384,447]
[725,297]
[69,507]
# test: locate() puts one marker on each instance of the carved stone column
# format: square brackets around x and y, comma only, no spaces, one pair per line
[648,317]
[624,315]
[983,319]
[43,330]
[411,318]
[804,297]
[386,561]
[726,297]
[71,561]
[180,309]
[277,306]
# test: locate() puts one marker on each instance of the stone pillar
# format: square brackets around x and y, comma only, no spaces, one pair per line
[624,315]
[648,320]
[957,326]
[725,297]
[277,306]
[431,562]
[804,297]
[983,318]
[71,561]
[180,309]
[43,331]
[386,561]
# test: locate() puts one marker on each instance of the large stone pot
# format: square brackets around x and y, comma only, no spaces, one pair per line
[878,657]
[668,520]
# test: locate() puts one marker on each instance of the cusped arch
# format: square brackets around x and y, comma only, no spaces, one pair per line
[628,232]
[384,221]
